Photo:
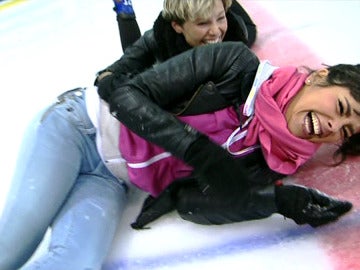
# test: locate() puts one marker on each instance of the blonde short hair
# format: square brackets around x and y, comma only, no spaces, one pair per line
[189,10]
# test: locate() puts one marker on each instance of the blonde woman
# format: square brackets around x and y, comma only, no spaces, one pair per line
[181,25]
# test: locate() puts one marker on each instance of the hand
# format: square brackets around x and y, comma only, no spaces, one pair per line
[103,75]
[307,205]
[153,208]
[107,82]
[215,169]
[100,76]
[105,86]
[192,204]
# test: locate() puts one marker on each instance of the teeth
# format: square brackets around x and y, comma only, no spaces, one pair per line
[308,125]
[315,123]
[212,41]
[312,124]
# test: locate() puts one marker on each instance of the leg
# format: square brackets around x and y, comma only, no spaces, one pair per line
[62,148]
[37,189]
[128,27]
[90,216]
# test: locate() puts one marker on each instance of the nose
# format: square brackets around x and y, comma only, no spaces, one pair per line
[334,125]
[337,125]
[214,29]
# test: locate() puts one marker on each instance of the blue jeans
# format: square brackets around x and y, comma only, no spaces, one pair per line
[62,183]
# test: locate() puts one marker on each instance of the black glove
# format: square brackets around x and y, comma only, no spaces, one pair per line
[153,208]
[109,83]
[193,205]
[216,170]
[215,209]
[308,206]
[105,87]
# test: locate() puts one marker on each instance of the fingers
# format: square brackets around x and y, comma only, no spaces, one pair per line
[309,206]
[339,207]
[317,215]
[320,215]
[330,203]
[153,208]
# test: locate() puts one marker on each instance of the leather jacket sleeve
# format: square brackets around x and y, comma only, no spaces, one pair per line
[254,202]
[186,197]
[141,103]
[138,57]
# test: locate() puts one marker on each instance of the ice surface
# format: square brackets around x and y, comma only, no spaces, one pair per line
[47,47]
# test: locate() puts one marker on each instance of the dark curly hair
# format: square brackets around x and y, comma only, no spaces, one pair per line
[348,76]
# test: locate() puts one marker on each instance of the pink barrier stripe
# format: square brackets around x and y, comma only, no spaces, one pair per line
[279,45]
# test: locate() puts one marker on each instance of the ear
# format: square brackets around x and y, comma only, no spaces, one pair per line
[317,76]
[322,72]
[177,27]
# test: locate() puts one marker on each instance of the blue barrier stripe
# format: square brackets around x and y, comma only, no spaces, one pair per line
[235,246]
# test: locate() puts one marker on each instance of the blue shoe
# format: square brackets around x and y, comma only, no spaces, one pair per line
[124,9]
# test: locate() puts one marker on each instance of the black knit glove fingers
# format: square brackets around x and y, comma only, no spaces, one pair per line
[153,208]
[309,206]
[105,87]
[108,84]
[324,209]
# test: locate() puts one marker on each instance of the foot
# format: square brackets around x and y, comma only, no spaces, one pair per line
[124,9]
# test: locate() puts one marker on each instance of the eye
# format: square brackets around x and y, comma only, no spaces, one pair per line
[341,107]
[222,18]
[202,23]
[346,133]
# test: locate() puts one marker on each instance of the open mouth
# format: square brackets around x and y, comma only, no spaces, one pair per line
[312,124]
[212,41]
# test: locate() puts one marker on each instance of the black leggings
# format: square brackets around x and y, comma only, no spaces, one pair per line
[129,31]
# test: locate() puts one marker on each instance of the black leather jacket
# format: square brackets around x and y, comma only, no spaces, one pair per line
[162,42]
[143,105]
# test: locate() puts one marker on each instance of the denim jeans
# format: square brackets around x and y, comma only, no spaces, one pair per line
[61,182]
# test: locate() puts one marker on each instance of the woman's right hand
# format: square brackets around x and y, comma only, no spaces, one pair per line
[309,206]
[103,75]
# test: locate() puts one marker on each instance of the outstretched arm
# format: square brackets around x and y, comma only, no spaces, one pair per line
[302,204]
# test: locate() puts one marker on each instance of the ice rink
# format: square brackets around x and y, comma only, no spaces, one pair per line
[47,47]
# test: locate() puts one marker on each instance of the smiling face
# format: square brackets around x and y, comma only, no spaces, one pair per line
[323,114]
[204,30]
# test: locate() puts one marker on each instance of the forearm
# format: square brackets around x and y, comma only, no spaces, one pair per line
[249,204]
[303,205]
